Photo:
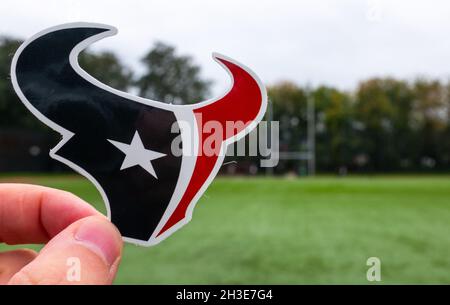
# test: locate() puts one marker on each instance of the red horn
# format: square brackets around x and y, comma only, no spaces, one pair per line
[245,102]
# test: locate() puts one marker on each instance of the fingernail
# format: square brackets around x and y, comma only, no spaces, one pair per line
[101,237]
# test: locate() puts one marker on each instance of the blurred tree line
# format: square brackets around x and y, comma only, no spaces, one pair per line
[384,125]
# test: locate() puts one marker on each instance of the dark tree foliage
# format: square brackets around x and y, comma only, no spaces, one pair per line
[107,68]
[12,112]
[171,78]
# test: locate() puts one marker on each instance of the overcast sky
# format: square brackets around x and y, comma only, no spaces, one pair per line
[333,42]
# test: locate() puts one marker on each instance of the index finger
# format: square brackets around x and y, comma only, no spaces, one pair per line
[34,214]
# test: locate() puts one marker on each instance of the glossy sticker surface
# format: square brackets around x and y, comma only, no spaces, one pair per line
[123,143]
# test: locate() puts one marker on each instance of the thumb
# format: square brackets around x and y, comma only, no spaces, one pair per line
[86,252]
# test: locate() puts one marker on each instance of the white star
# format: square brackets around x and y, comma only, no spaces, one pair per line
[137,154]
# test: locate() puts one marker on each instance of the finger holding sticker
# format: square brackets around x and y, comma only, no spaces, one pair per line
[72,230]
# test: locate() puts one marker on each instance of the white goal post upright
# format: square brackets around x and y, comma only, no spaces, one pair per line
[310,154]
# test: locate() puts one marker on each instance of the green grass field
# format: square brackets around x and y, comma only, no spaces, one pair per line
[293,231]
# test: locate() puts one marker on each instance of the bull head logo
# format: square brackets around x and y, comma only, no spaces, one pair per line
[123,143]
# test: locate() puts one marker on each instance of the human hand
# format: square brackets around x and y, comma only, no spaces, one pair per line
[70,227]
